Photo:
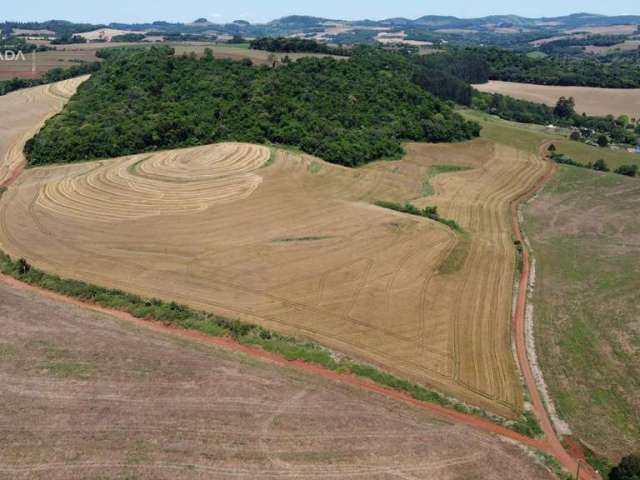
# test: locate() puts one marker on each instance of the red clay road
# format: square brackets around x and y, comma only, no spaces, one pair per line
[553,444]
[550,444]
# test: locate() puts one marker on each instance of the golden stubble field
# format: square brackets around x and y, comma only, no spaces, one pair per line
[589,100]
[293,243]
[23,113]
[45,61]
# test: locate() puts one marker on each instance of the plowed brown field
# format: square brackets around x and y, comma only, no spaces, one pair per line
[85,396]
[297,246]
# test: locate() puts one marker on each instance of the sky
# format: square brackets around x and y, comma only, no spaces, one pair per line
[257,11]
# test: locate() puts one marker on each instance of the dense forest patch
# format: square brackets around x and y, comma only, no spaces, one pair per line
[347,112]
[612,71]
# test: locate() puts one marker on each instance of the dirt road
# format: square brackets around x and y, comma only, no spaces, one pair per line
[552,443]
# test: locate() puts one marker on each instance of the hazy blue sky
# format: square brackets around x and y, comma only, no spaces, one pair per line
[263,10]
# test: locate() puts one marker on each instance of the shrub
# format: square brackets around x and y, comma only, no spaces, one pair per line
[601,166]
[23,266]
[603,141]
[628,170]
[628,469]
[428,212]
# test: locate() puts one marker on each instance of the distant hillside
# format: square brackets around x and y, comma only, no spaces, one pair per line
[301,24]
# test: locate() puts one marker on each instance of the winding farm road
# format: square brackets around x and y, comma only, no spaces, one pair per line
[552,442]
[54,97]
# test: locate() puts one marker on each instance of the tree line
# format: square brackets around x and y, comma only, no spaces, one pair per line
[291,45]
[590,129]
[55,75]
[619,71]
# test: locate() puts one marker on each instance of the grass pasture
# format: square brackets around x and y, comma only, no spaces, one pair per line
[529,137]
[589,154]
[585,231]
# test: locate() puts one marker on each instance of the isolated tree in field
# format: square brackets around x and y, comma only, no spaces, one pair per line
[552,148]
[628,469]
[603,141]
[565,108]
[601,166]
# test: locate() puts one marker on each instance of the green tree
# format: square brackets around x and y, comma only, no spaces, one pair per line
[603,141]
[628,469]
[23,266]
[565,108]
[623,120]
[601,166]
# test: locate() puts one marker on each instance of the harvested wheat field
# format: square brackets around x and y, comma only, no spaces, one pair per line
[23,113]
[293,243]
[44,62]
[589,100]
[87,396]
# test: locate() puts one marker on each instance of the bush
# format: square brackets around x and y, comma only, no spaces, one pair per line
[628,170]
[603,141]
[601,166]
[628,469]
[428,212]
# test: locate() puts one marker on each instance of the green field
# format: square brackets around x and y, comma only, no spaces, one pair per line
[585,232]
[585,154]
[528,137]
